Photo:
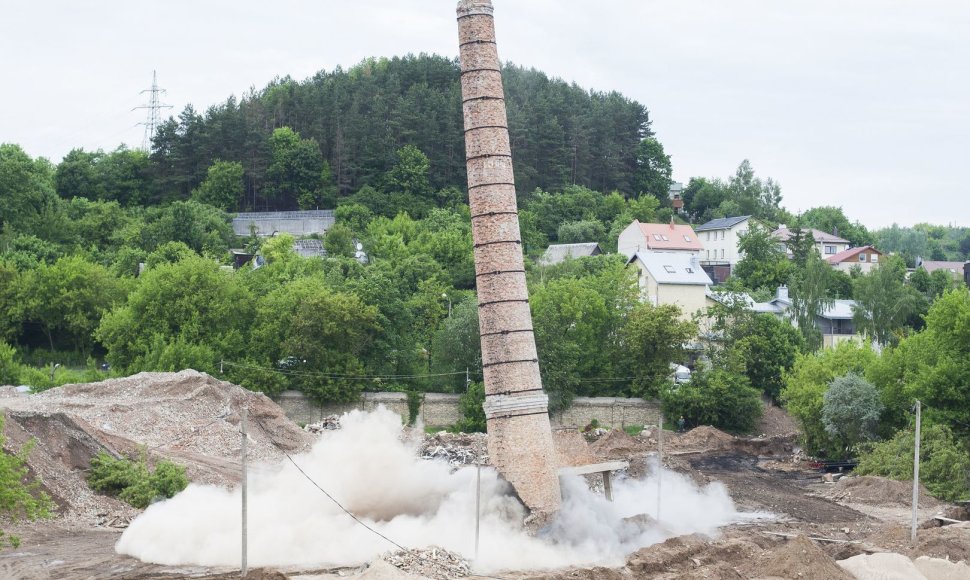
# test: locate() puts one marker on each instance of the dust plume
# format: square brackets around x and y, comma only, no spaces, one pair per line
[414,502]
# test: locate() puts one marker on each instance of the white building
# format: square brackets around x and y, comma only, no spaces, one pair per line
[640,237]
[672,278]
[827,244]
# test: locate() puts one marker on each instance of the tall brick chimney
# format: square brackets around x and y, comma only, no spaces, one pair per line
[519,434]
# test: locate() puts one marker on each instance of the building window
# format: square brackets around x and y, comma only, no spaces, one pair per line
[656,237]
[670,269]
[875,258]
[722,234]
[686,238]
[708,234]
[862,257]
[665,238]
[829,249]
[722,253]
[708,254]
[689,270]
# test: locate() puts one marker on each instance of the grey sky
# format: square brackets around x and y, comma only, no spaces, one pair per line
[863,104]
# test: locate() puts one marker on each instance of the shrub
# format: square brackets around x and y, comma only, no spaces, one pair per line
[944,461]
[720,398]
[472,413]
[21,497]
[850,410]
[132,482]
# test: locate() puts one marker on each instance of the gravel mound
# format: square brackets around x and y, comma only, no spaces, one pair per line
[188,417]
[702,438]
[614,445]
[873,490]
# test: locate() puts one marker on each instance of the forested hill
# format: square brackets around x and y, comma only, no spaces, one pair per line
[561,133]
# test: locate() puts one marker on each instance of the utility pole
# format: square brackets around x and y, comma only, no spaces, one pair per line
[660,461]
[244,567]
[154,107]
[916,472]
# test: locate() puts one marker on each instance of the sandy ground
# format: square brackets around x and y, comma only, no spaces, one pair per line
[764,474]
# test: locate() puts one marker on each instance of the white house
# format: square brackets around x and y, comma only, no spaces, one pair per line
[672,278]
[720,238]
[827,244]
[640,237]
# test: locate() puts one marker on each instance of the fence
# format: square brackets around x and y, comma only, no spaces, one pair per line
[441,409]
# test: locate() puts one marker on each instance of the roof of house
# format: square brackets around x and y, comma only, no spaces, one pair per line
[784,234]
[932,265]
[673,268]
[559,252]
[722,223]
[838,310]
[846,255]
[670,237]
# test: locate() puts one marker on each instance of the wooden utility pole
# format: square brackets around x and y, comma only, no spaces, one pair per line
[245,543]
[916,472]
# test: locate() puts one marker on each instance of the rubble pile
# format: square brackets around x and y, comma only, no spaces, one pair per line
[188,417]
[873,490]
[457,449]
[328,423]
[432,562]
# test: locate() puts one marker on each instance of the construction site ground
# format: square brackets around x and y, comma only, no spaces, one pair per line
[193,419]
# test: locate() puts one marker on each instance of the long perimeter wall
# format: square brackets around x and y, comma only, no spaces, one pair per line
[441,410]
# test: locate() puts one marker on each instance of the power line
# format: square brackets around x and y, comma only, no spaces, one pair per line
[154,107]
[358,520]
[339,376]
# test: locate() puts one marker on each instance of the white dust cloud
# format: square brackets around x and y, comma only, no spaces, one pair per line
[414,502]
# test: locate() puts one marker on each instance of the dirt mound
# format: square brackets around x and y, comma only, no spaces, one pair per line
[572,448]
[775,422]
[614,445]
[189,417]
[872,490]
[947,542]
[702,438]
[798,557]
[62,450]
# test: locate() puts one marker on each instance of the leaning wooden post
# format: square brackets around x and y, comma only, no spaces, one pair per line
[916,473]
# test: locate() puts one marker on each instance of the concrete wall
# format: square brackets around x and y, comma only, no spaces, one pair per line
[441,409]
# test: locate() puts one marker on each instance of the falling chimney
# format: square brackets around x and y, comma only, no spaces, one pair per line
[516,408]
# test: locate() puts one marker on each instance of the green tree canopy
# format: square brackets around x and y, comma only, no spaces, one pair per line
[223,185]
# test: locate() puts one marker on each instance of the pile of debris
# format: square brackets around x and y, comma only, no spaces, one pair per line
[869,489]
[328,423]
[432,562]
[187,417]
[458,449]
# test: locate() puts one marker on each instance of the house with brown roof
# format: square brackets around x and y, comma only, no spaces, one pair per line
[827,244]
[955,269]
[864,257]
[640,237]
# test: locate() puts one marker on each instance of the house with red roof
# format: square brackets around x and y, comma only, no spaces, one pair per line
[645,238]
[864,257]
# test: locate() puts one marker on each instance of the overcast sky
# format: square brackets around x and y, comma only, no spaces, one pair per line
[862,104]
